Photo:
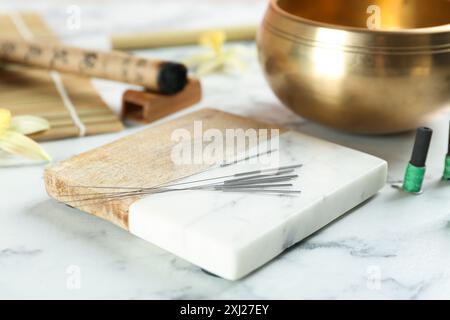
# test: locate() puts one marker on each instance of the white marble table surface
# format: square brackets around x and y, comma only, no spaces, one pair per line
[394,246]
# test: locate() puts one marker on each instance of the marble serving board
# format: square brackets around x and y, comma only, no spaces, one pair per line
[231,234]
[222,234]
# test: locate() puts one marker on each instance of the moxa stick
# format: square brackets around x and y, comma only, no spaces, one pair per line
[157,75]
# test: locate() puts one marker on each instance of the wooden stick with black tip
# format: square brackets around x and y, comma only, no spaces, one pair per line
[156,75]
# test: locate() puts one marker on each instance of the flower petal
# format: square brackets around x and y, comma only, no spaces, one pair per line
[194,61]
[17,143]
[234,63]
[29,124]
[208,67]
[5,119]
[8,160]
[213,39]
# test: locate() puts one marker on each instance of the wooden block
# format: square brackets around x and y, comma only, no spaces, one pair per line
[146,107]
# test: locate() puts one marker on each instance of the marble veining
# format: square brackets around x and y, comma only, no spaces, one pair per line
[393,246]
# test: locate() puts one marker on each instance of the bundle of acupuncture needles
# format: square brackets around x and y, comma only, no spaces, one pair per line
[273,181]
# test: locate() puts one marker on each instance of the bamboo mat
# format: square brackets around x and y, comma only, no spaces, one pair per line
[69,102]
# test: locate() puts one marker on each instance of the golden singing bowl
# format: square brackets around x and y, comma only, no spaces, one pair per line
[365,66]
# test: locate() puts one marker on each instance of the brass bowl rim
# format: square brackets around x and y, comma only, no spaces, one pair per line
[427,30]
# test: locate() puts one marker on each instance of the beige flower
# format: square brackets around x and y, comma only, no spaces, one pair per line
[13,139]
[218,59]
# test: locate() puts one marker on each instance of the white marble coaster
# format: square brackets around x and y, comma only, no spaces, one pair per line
[232,234]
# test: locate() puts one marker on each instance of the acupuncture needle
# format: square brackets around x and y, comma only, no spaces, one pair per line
[280,192]
[120,195]
[227,164]
[241,185]
[241,182]
[280,170]
[134,190]
[284,168]
[255,184]
[246,190]
[260,186]
[256,179]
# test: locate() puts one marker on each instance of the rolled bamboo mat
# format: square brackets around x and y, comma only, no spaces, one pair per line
[69,102]
[178,38]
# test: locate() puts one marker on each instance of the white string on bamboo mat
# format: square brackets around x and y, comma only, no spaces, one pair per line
[56,77]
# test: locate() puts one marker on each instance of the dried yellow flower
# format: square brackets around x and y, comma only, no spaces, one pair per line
[13,137]
[218,59]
